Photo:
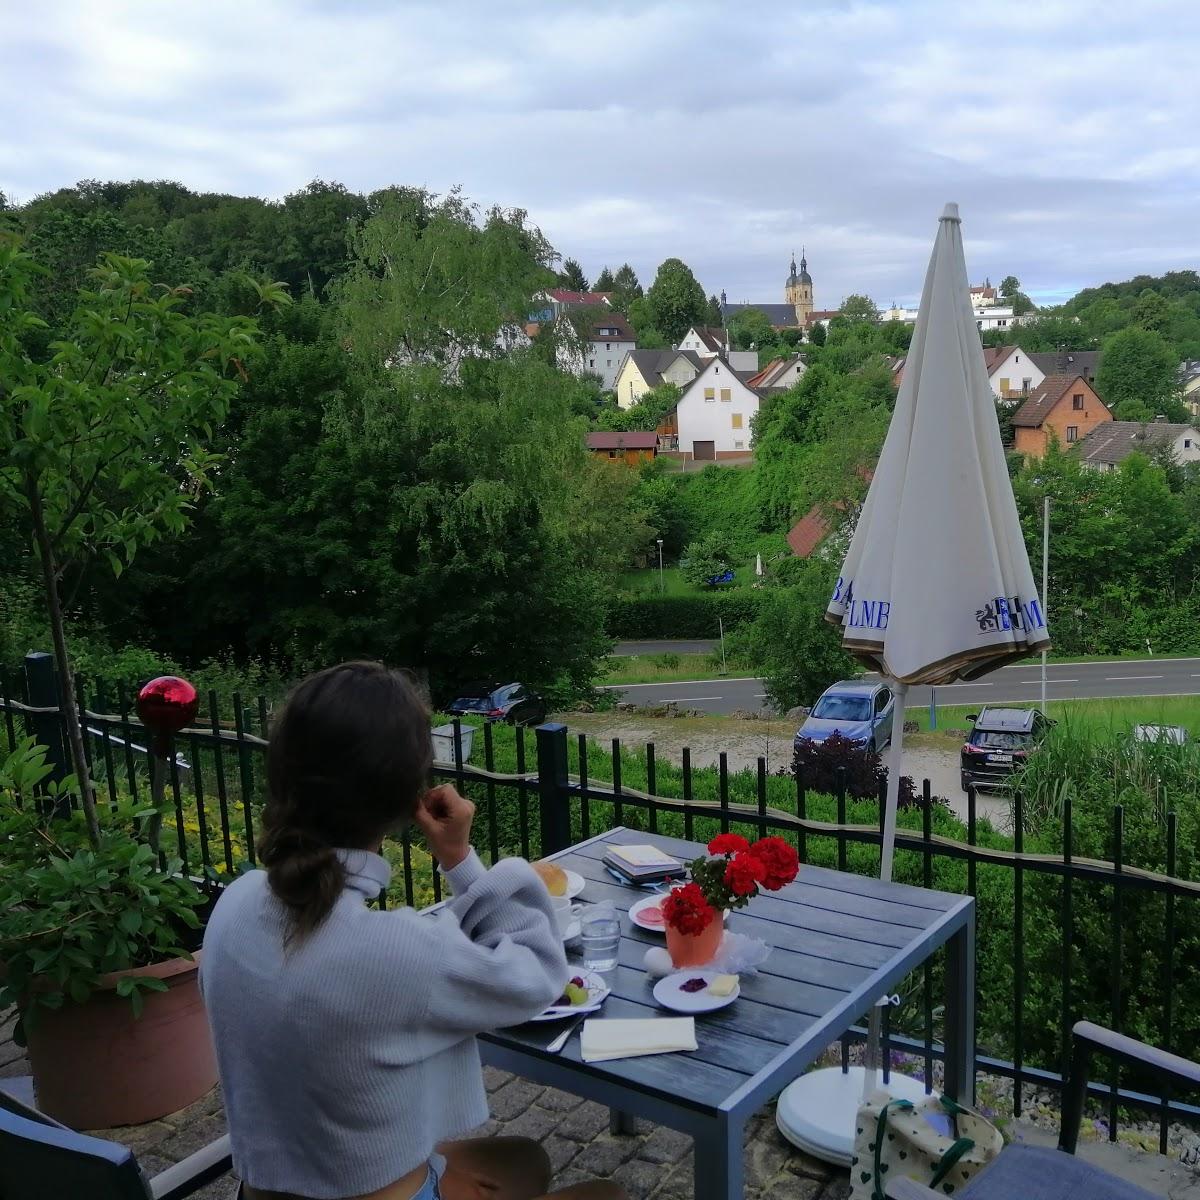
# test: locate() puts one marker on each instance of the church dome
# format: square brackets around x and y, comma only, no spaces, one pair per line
[804,276]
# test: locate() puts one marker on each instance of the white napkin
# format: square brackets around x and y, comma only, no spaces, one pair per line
[607,1039]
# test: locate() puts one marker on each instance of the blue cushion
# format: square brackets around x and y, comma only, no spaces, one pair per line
[1039,1173]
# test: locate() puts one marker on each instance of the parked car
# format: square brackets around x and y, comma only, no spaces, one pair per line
[513,702]
[1171,735]
[860,711]
[1000,743]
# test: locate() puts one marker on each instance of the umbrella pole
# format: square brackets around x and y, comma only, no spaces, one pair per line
[886,853]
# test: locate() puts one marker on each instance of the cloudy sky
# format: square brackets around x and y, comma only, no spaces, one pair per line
[722,133]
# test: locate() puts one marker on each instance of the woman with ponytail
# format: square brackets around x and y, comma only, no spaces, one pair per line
[345,1035]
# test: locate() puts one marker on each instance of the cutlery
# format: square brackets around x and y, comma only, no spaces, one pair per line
[562,1039]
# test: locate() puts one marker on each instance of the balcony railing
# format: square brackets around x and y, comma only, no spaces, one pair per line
[537,791]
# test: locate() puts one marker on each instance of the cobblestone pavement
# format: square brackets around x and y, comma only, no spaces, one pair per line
[655,1162]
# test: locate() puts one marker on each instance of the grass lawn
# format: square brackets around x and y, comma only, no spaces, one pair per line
[1098,717]
[663,668]
[645,581]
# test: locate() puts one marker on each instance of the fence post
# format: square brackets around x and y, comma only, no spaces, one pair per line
[42,691]
[554,799]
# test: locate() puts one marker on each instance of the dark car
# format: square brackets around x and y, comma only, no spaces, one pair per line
[513,702]
[1000,743]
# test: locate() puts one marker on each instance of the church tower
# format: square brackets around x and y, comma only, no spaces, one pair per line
[798,290]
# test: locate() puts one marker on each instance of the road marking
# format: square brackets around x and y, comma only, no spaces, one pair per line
[1128,678]
[1038,682]
[690,699]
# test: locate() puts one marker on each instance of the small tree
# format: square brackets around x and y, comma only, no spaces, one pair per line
[857,308]
[605,282]
[1138,376]
[816,335]
[102,447]
[706,559]
[571,276]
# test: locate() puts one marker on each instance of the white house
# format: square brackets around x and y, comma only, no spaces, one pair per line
[641,370]
[1111,443]
[716,413]
[988,315]
[1189,384]
[707,342]
[1011,372]
[779,374]
[605,341]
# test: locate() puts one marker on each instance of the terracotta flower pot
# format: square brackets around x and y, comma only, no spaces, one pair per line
[95,1065]
[695,949]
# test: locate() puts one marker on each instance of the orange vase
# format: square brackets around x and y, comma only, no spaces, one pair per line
[695,949]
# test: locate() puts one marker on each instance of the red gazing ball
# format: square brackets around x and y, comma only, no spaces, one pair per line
[167,704]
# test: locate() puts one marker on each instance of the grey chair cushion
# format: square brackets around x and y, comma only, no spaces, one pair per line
[1039,1173]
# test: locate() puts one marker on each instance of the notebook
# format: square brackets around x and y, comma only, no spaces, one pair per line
[641,863]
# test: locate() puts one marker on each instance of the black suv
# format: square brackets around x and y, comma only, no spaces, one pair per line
[1000,743]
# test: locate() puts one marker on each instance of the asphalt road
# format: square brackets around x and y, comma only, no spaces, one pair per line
[1017,684]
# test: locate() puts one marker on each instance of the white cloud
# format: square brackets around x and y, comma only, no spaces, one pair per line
[726,135]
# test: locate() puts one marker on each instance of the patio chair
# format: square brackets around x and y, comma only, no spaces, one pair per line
[43,1160]
[1039,1173]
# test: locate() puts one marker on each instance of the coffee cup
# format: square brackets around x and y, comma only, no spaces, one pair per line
[564,912]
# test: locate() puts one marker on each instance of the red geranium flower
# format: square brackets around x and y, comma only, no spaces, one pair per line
[744,873]
[728,843]
[779,861]
[687,910]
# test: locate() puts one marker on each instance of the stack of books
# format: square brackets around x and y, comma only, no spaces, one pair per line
[642,864]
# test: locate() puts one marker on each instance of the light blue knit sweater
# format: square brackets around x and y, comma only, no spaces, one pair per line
[346,1057]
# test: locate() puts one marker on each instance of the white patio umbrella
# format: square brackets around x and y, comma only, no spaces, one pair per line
[936,586]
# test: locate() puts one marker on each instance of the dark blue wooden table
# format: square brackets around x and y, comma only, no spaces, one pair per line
[839,941]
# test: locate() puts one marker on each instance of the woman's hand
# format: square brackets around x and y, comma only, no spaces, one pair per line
[445,817]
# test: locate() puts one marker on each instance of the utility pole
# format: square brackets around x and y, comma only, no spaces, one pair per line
[661,585]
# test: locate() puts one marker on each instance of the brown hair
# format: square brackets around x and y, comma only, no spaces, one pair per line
[349,759]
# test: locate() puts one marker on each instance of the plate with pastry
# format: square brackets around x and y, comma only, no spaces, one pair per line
[697,991]
[584,992]
[559,882]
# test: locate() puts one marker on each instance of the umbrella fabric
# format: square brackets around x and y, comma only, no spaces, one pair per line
[936,585]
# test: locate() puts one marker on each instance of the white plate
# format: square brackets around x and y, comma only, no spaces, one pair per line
[636,910]
[667,993]
[575,884]
[572,931]
[597,993]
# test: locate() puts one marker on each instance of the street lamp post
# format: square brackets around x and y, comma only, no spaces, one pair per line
[1045,585]
[661,585]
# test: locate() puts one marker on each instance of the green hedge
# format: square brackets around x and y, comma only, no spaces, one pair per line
[683,616]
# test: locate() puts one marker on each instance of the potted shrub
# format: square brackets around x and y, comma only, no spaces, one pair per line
[97,952]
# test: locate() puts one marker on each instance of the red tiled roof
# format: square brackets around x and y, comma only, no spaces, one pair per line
[622,441]
[1042,400]
[993,356]
[756,380]
[617,323]
[808,532]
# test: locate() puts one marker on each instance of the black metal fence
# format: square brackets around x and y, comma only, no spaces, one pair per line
[537,791]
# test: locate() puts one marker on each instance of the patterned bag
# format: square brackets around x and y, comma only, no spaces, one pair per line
[897,1139]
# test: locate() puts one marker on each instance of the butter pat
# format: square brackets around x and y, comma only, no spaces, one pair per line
[722,985]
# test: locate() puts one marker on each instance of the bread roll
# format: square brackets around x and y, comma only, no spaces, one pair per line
[554,877]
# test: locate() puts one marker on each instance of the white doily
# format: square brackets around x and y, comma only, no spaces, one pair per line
[737,955]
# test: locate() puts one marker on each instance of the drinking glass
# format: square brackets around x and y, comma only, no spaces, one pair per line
[601,934]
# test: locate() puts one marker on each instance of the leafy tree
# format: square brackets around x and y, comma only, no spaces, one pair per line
[421,498]
[644,414]
[102,449]
[816,335]
[1138,375]
[605,282]
[675,300]
[707,559]
[660,499]
[1010,287]
[797,652]
[857,308]
[751,327]
[626,286]
[715,317]
[572,277]
[641,317]
[1151,311]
